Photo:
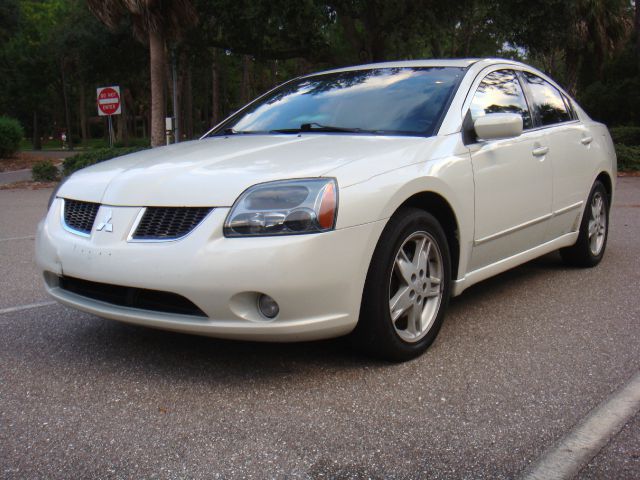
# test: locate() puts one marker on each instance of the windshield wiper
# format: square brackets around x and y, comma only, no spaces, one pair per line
[318,127]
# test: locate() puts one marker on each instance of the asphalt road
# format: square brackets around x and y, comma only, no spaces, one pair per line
[521,359]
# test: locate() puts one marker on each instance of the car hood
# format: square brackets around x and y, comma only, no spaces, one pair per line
[215,171]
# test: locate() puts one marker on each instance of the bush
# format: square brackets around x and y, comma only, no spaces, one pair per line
[134,142]
[72,164]
[628,157]
[626,135]
[11,134]
[44,172]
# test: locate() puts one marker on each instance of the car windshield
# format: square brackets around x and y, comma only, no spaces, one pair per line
[404,101]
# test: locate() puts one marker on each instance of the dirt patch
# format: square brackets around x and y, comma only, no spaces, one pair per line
[24,160]
[28,185]
[634,173]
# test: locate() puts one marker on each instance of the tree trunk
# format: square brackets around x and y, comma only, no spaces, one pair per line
[436,47]
[454,47]
[215,88]
[187,116]
[67,116]
[353,37]
[185,101]
[37,142]
[129,113]
[245,86]
[82,110]
[157,69]
[637,24]
[573,66]
[119,127]
[274,74]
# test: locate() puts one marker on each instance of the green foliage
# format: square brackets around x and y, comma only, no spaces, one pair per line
[627,135]
[72,164]
[11,134]
[54,53]
[44,171]
[628,157]
[9,18]
[615,100]
[139,143]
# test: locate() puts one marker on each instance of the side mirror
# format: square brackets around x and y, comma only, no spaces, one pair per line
[494,126]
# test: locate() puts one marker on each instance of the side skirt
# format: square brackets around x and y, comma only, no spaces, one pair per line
[505,264]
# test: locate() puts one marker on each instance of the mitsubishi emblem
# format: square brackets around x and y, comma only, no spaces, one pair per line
[106,224]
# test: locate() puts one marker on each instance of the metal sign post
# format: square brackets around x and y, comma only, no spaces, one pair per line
[110,131]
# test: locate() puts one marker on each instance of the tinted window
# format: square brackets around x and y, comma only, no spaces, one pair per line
[385,100]
[547,101]
[501,92]
[572,111]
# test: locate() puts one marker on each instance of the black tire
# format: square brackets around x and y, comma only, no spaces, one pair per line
[375,333]
[581,253]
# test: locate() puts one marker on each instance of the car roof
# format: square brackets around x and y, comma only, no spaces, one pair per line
[445,62]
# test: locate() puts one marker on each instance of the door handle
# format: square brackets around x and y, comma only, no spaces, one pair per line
[540,151]
[586,140]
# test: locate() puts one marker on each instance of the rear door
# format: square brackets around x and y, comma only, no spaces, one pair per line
[571,151]
[513,177]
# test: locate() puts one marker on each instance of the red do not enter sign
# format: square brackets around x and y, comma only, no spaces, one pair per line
[109,101]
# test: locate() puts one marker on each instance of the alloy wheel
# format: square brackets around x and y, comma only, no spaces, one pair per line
[416,286]
[597,224]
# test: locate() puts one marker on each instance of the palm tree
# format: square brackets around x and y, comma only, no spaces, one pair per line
[601,25]
[155,21]
[637,28]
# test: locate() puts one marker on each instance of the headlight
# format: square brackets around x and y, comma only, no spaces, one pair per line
[55,192]
[287,207]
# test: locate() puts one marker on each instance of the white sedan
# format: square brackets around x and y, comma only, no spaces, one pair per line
[354,201]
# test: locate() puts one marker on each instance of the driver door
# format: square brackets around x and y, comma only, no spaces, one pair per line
[513,177]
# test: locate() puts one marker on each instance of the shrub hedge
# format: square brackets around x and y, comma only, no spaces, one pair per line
[627,135]
[11,134]
[72,164]
[44,171]
[628,157]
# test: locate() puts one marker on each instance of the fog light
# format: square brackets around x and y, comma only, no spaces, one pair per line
[268,306]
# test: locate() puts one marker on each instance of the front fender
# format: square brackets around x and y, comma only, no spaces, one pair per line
[380,196]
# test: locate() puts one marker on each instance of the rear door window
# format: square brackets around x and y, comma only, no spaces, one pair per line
[548,103]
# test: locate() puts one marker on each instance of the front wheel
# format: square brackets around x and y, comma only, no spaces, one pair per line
[407,288]
[594,231]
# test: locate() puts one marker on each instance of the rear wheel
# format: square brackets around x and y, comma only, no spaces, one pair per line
[594,230]
[407,288]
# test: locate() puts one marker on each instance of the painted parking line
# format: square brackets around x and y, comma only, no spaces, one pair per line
[29,306]
[582,443]
[28,237]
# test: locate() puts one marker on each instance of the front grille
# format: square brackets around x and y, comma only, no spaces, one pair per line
[169,223]
[141,298]
[80,215]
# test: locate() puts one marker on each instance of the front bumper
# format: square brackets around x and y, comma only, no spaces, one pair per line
[316,279]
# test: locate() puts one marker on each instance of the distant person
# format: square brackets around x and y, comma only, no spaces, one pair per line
[64,140]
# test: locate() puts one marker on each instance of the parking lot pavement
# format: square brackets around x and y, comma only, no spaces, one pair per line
[521,359]
[23,175]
